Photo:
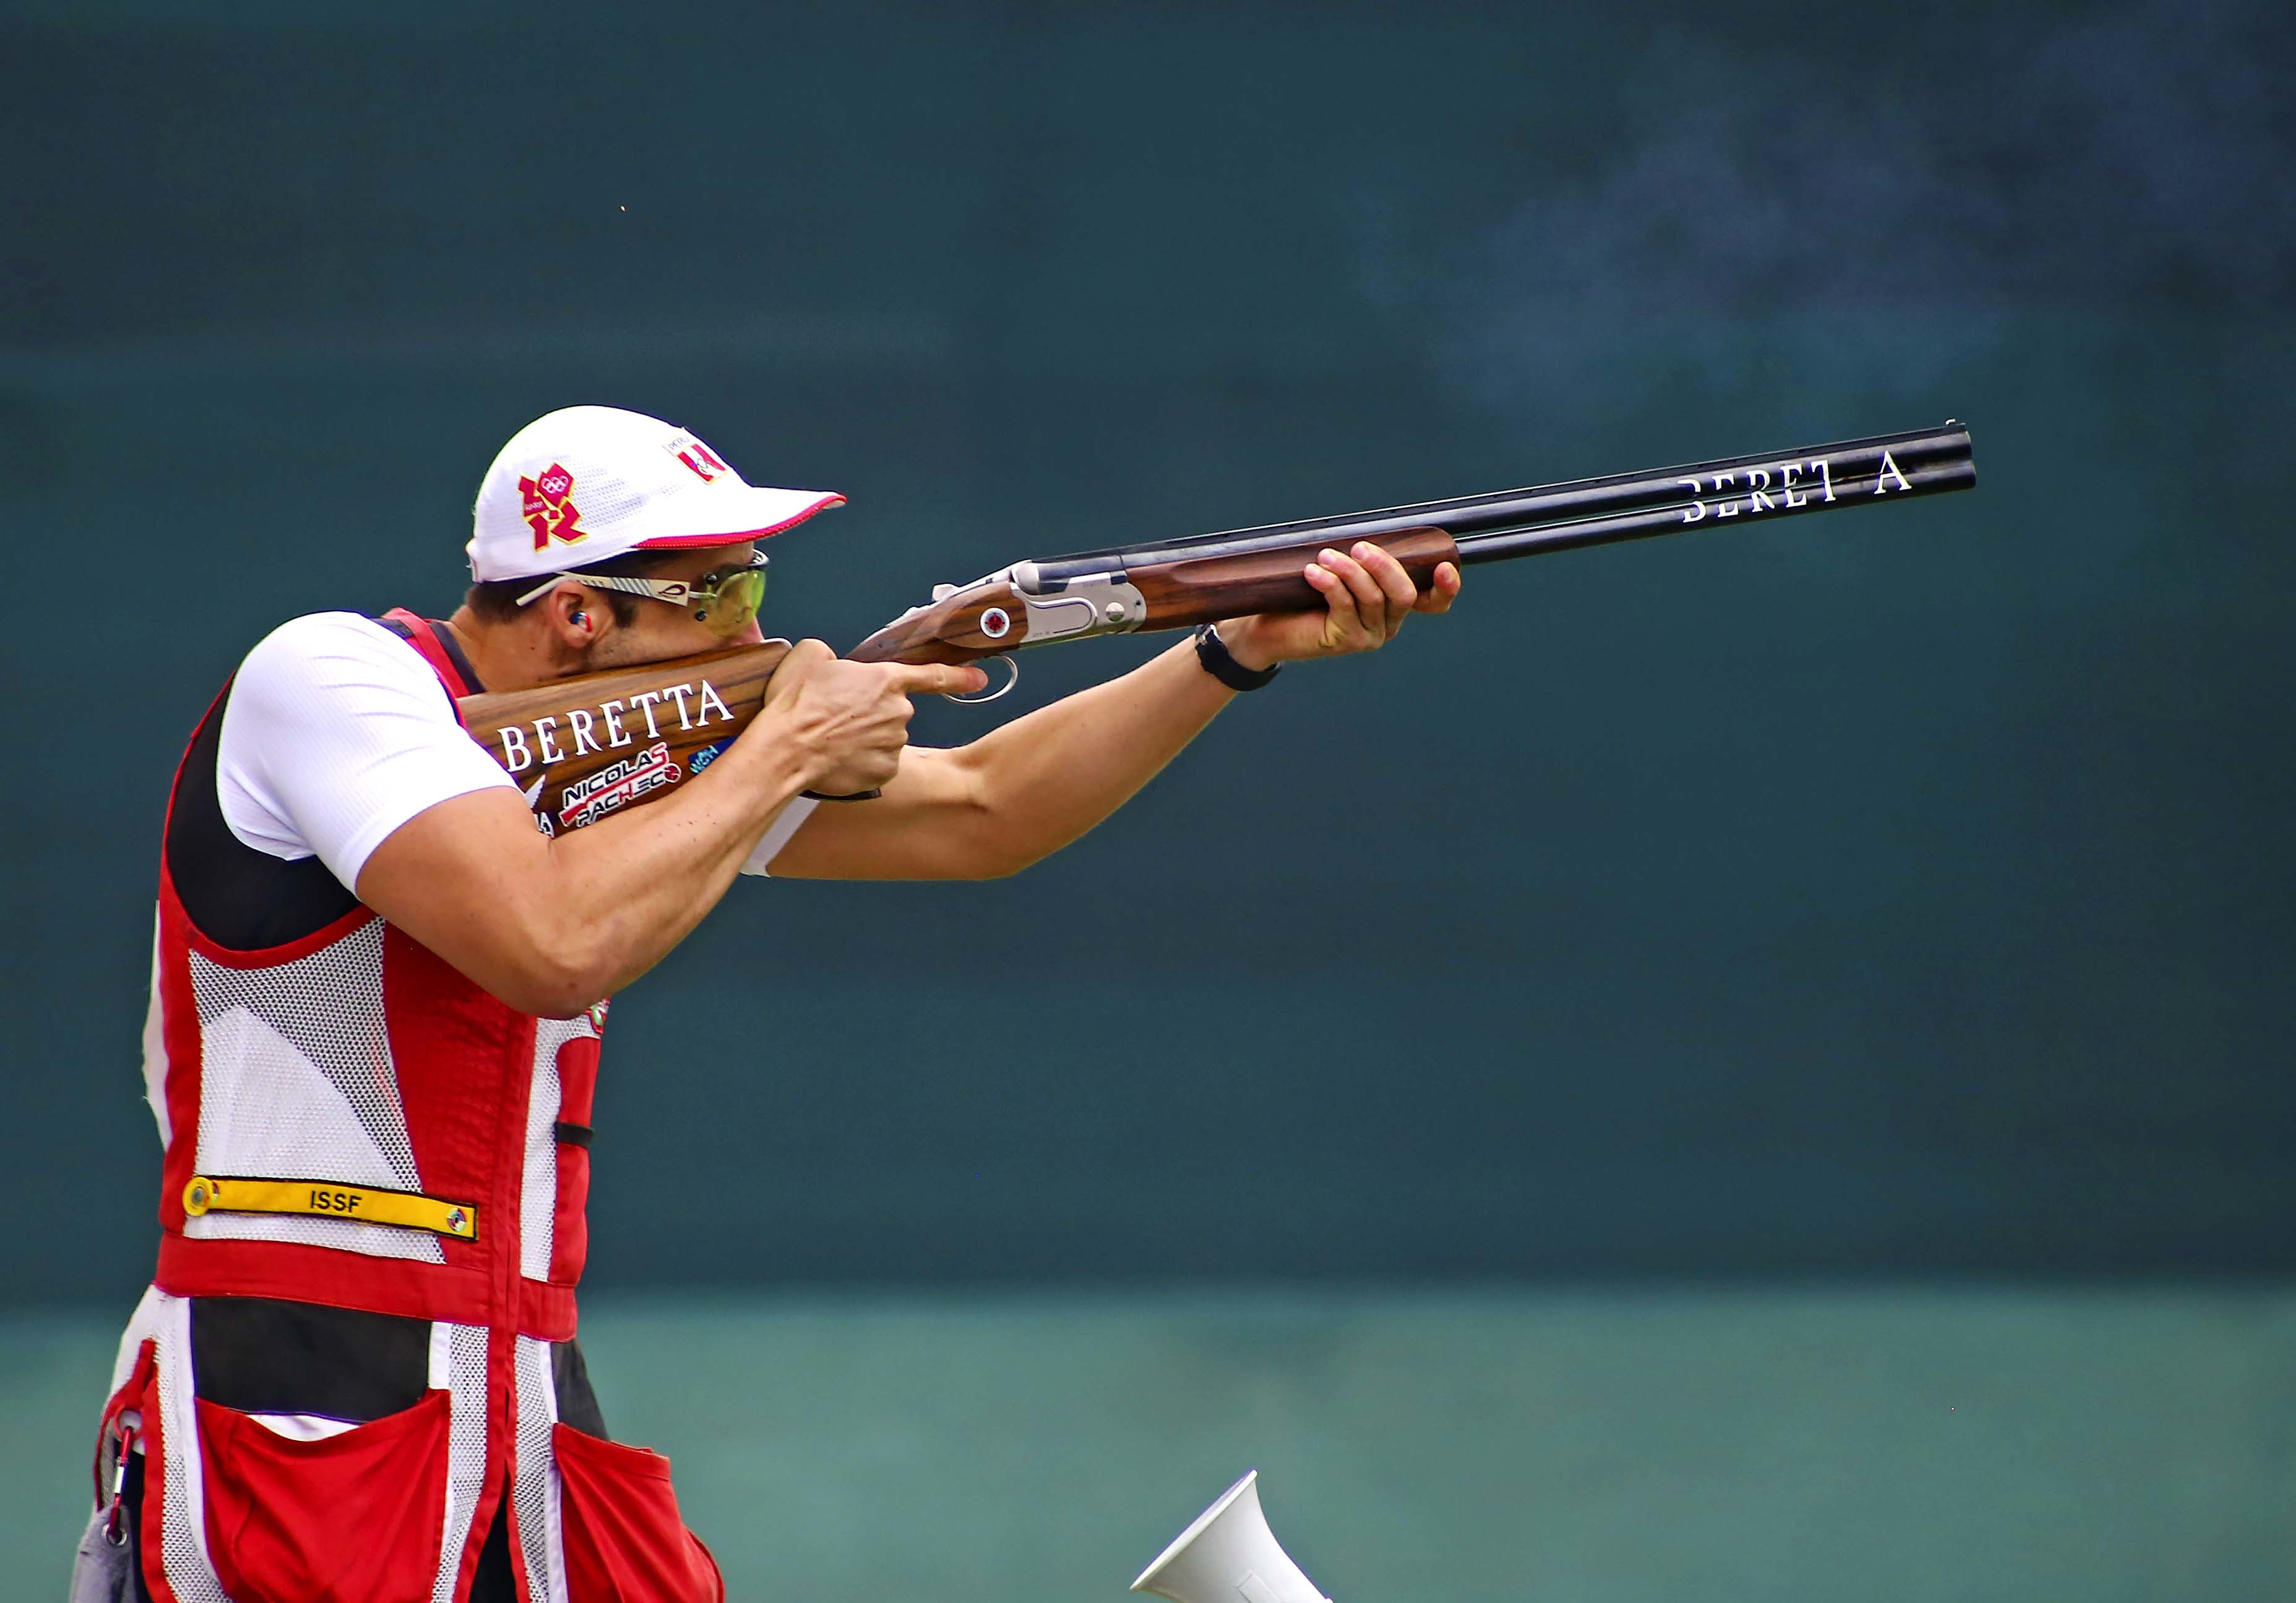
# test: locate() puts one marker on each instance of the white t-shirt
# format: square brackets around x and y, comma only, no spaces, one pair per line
[337,732]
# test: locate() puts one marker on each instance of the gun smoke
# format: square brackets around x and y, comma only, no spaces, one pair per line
[1872,204]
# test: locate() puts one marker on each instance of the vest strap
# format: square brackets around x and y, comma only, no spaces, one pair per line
[330,1200]
[435,647]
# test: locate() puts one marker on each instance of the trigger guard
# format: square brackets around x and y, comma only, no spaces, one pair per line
[1013,670]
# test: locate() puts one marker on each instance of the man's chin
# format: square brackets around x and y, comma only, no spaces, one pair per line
[608,654]
[618,650]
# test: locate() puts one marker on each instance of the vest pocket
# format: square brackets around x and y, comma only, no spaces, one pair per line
[624,1538]
[354,1518]
[569,1233]
[569,1228]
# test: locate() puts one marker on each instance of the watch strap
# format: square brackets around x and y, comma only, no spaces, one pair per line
[1212,652]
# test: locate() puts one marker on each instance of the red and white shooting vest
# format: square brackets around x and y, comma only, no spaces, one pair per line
[349,1121]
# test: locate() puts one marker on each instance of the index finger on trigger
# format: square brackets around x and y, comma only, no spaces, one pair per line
[938,678]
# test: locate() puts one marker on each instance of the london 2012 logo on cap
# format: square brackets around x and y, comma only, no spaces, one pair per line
[549,510]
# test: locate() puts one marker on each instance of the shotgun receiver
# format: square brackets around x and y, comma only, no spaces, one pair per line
[595,743]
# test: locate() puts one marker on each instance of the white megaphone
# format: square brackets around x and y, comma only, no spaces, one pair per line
[1229,1556]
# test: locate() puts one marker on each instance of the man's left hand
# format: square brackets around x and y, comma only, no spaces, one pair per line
[1366,596]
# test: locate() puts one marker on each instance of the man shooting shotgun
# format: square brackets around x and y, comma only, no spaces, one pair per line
[378,987]
[378,992]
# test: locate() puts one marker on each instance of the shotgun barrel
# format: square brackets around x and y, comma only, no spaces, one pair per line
[1596,512]
[1180,584]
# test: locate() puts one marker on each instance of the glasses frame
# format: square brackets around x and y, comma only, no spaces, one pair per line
[698,591]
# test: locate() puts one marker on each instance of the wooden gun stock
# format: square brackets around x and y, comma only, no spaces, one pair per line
[596,743]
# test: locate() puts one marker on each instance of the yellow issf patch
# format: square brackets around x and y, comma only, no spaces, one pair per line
[330,1200]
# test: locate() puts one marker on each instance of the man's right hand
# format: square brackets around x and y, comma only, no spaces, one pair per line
[848,720]
[550,926]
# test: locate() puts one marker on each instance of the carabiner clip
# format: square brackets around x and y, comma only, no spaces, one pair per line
[115,1525]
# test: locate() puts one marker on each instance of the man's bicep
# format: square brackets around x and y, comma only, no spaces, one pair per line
[460,877]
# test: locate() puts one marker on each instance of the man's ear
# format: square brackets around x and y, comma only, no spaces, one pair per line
[575,615]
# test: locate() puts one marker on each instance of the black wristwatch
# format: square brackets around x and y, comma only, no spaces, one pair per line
[1212,651]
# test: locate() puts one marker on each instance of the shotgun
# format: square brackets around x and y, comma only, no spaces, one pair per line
[592,744]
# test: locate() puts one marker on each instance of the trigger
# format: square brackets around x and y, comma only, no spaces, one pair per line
[1013,670]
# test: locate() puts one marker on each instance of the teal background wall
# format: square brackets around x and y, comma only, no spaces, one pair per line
[1770,984]
[1906,892]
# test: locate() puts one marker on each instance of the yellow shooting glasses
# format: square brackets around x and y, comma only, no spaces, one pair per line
[724,598]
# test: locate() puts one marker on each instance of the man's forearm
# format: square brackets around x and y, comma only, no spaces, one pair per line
[1046,779]
[1030,788]
[552,926]
[635,886]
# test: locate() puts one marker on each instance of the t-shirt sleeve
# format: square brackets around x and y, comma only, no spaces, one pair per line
[777,835]
[336,733]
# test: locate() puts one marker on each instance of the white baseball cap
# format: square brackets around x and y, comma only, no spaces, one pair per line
[580,485]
